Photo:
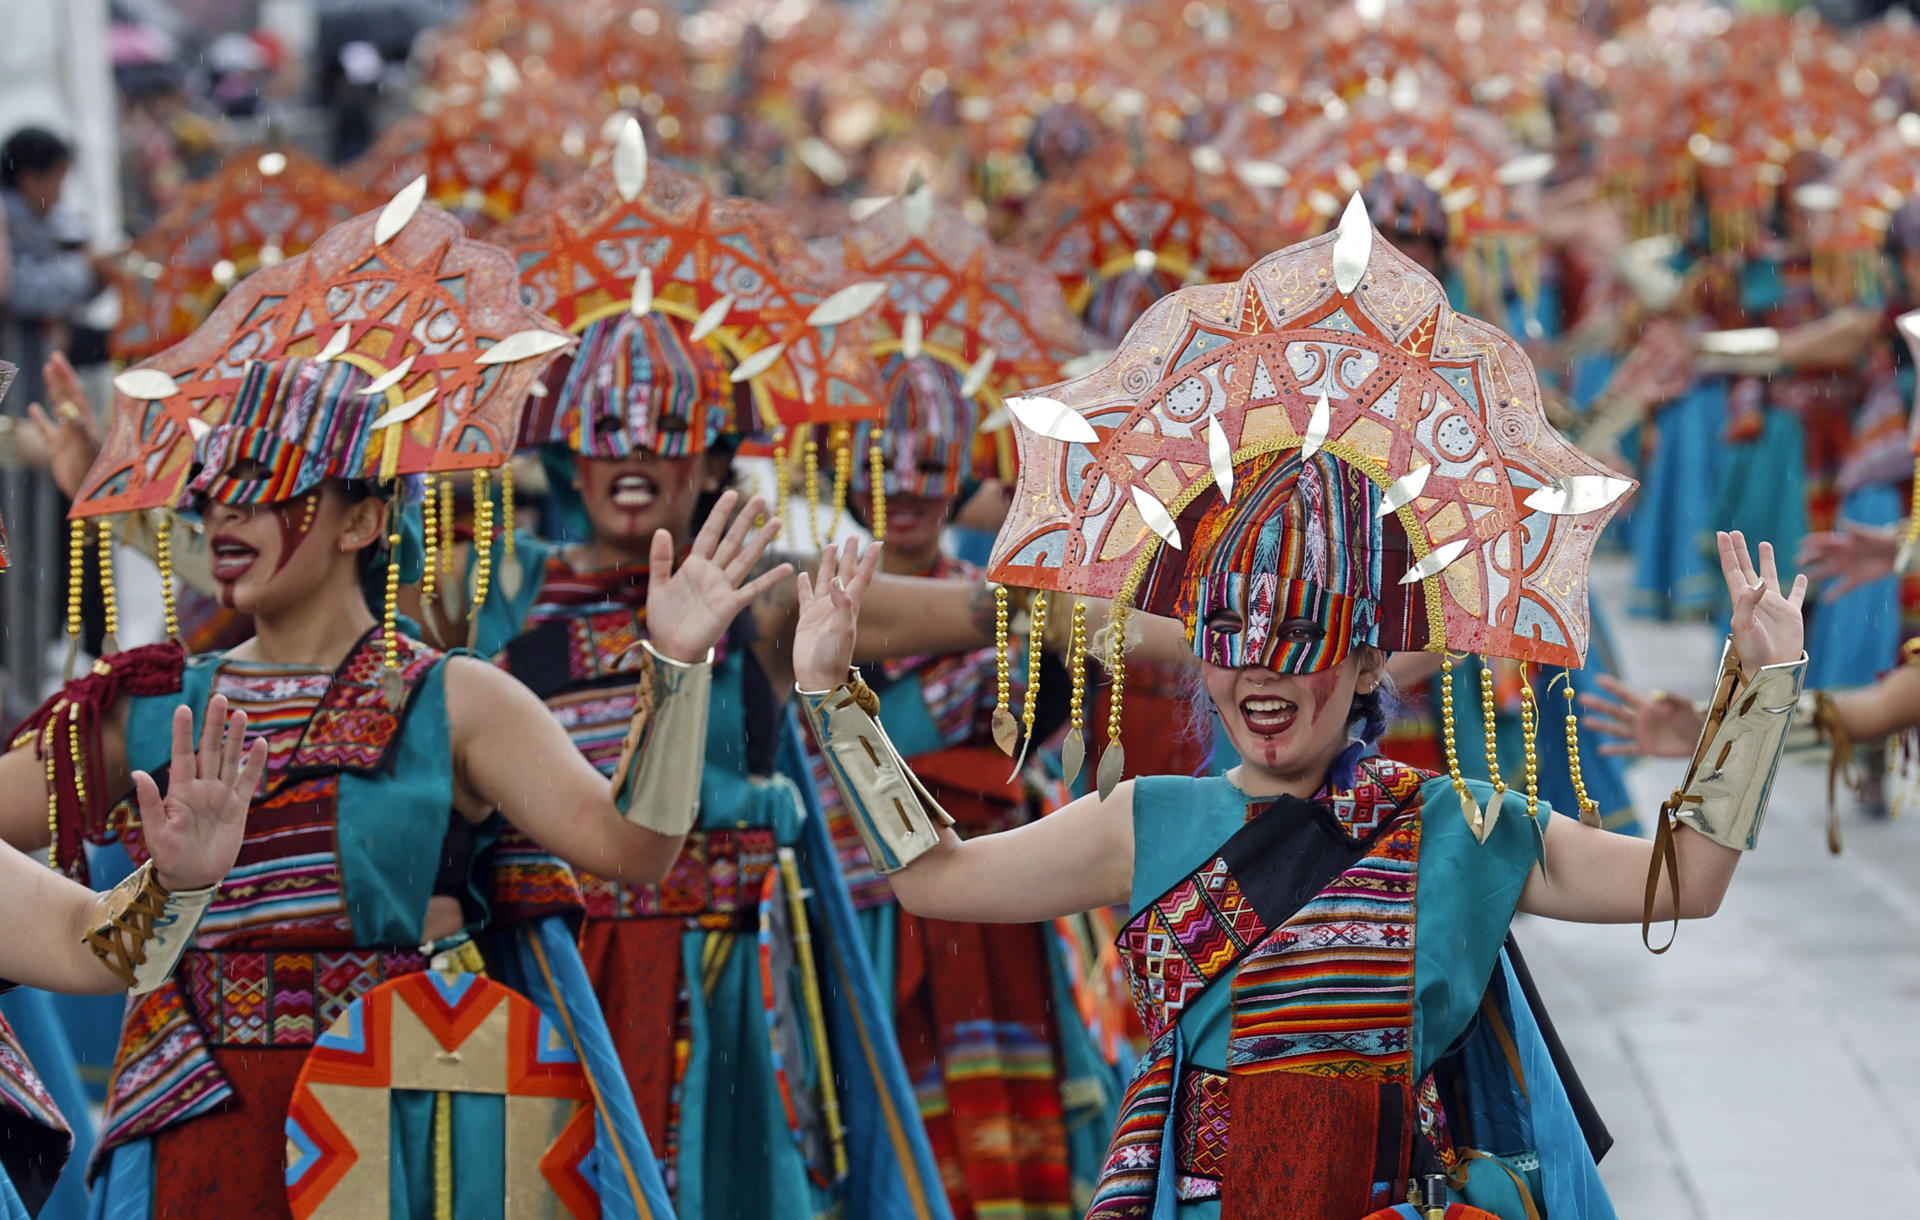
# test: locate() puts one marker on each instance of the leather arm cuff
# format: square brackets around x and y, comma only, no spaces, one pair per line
[1725,793]
[898,819]
[656,783]
[139,928]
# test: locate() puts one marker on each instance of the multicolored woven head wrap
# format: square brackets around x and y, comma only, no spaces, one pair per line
[926,442]
[395,348]
[700,316]
[1326,439]
[639,382]
[963,323]
[1296,571]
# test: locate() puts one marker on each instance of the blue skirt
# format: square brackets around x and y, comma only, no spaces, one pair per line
[1854,638]
[1675,572]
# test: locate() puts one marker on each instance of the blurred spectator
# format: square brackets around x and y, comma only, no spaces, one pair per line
[53,275]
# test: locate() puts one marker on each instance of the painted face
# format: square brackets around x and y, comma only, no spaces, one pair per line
[264,556]
[913,522]
[628,498]
[1287,725]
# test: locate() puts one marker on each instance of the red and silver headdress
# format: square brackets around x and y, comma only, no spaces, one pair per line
[643,262]
[1334,368]
[396,346]
[965,323]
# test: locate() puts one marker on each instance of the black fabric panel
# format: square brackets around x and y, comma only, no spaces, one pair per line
[539,658]
[1287,854]
[33,1157]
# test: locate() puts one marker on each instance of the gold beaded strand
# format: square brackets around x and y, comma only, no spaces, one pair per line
[76,584]
[1004,732]
[810,472]
[842,478]
[109,643]
[1113,759]
[1469,807]
[446,524]
[482,545]
[1529,735]
[429,574]
[506,510]
[877,476]
[1073,752]
[73,754]
[52,767]
[1589,808]
[1493,740]
[1036,638]
[389,636]
[163,558]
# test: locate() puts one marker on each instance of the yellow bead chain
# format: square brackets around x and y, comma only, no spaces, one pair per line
[1001,667]
[430,573]
[1077,665]
[782,473]
[506,509]
[1493,739]
[1589,808]
[389,637]
[106,585]
[1036,638]
[446,524]
[810,472]
[73,753]
[877,476]
[163,558]
[1913,510]
[842,478]
[482,542]
[76,573]
[1116,669]
[1446,726]
[48,757]
[1529,734]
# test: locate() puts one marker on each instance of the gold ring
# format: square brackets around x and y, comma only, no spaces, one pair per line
[66,410]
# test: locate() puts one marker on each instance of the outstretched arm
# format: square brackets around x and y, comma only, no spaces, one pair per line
[513,756]
[1073,860]
[64,937]
[1590,876]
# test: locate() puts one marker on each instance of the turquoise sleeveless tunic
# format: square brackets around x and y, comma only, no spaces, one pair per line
[682,968]
[1463,904]
[329,898]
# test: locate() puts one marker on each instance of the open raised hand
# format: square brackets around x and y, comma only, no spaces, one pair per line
[193,833]
[830,614]
[690,607]
[1653,725]
[1851,556]
[1767,627]
[69,438]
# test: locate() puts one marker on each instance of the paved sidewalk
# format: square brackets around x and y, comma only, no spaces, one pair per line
[1768,1065]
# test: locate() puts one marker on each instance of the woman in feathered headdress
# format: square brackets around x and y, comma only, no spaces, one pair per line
[1310,469]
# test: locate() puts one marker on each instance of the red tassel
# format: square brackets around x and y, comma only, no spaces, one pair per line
[155,669]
